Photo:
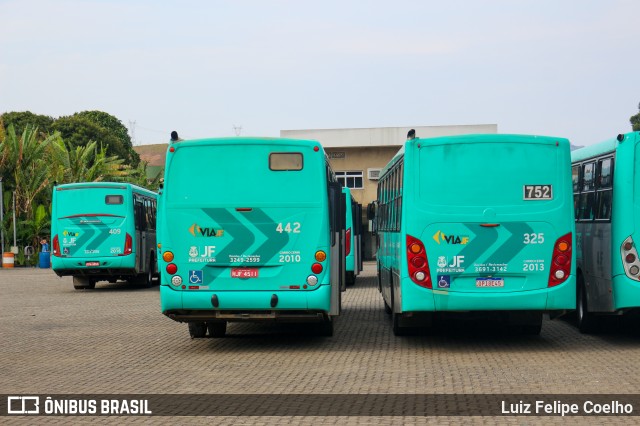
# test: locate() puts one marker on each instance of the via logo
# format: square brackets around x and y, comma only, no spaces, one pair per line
[439,236]
[198,231]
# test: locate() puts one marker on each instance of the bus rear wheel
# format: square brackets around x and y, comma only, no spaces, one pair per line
[197,330]
[217,329]
[586,320]
[387,308]
[351,278]
[151,273]
[325,328]
[398,330]
[82,283]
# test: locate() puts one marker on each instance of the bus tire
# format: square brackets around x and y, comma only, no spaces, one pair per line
[534,327]
[326,327]
[585,319]
[217,328]
[150,274]
[197,330]
[398,330]
[387,308]
[351,278]
[82,283]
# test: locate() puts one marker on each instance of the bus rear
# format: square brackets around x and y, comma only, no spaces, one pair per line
[92,235]
[244,233]
[489,226]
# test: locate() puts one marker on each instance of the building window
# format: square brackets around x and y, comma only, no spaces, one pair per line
[351,180]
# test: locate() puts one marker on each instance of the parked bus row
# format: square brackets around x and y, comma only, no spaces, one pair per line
[257,229]
[272,236]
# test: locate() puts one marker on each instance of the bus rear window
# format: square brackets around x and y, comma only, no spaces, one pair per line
[486,174]
[285,161]
[114,199]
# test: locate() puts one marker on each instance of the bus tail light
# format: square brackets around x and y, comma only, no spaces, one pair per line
[630,260]
[560,261]
[316,268]
[348,242]
[418,263]
[128,245]
[56,247]
[172,268]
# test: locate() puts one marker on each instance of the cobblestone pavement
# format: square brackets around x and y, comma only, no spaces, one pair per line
[114,340]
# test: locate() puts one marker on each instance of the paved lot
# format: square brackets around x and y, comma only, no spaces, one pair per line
[115,340]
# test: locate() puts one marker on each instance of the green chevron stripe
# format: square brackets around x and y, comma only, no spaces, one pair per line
[514,245]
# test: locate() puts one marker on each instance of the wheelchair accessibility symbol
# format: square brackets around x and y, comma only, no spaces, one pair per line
[195,277]
[444,281]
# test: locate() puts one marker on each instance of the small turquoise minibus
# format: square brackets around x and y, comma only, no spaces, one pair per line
[104,231]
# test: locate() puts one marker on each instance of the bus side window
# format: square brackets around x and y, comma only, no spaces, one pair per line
[588,176]
[586,205]
[604,189]
[575,177]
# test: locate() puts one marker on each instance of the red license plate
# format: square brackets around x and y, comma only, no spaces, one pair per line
[244,273]
[92,264]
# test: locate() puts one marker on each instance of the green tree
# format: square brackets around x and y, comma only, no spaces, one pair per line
[20,120]
[115,128]
[635,121]
[33,230]
[24,166]
[80,131]
[86,164]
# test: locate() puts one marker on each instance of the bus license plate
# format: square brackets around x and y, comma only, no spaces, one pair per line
[244,273]
[92,264]
[489,282]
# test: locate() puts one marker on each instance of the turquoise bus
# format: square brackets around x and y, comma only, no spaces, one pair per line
[250,229]
[353,237]
[476,223]
[607,214]
[104,231]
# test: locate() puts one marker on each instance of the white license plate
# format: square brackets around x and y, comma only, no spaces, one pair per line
[244,273]
[489,282]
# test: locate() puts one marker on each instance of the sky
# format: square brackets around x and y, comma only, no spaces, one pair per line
[568,68]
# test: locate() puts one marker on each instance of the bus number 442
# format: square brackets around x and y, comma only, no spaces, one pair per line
[289,228]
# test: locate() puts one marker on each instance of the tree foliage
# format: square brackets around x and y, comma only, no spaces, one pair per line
[20,120]
[635,121]
[30,165]
[80,131]
[116,129]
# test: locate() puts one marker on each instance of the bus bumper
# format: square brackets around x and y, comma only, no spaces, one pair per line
[626,292]
[561,297]
[196,305]
[76,266]
[350,263]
